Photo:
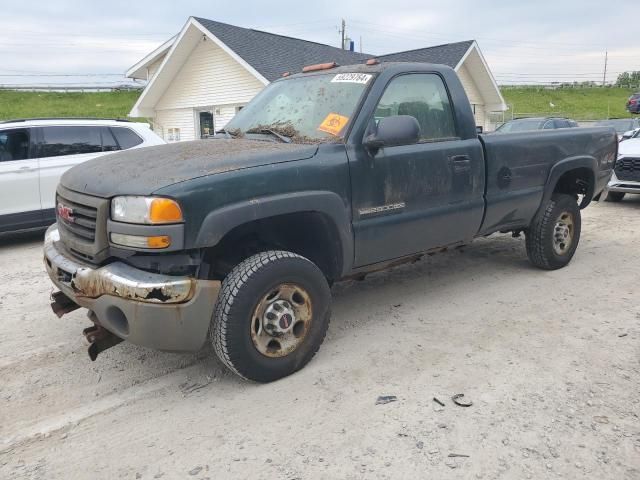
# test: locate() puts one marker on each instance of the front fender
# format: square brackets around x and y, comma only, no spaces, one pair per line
[221,221]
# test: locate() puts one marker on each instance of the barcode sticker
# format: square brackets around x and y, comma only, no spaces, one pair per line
[362,78]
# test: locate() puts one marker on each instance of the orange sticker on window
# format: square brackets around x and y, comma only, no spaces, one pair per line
[333,124]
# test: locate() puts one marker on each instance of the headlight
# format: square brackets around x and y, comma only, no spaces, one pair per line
[145,210]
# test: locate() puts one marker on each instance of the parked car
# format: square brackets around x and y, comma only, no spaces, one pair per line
[621,125]
[626,174]
[633,104]
[35,153]
[326,175]
[530,124]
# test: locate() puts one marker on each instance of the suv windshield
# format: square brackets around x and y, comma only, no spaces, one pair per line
[520,126]
[310,109]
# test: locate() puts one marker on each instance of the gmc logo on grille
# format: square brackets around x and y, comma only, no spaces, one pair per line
[66,213]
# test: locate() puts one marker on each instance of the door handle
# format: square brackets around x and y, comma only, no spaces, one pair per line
[24,169]
[460,163]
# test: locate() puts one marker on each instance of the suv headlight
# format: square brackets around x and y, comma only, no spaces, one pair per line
[145,210]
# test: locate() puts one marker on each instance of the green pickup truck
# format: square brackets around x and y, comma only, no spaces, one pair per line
[326,175]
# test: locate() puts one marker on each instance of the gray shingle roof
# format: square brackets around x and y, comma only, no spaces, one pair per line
[449,54]
[272,55]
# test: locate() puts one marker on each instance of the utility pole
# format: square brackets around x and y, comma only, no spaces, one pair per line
[606,62]
[342,34]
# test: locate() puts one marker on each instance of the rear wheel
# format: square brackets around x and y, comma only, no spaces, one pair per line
[615,196]
[552,237]
[272,315]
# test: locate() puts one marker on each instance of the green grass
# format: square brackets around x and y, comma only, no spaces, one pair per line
[15,104]
[576,103]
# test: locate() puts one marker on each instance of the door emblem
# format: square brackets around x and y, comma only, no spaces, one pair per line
[66,213]
[382,210]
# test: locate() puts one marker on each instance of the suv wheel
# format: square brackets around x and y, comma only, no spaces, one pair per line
[552,237]
[615,196]
[272,315]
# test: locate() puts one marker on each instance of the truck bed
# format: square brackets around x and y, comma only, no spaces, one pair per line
[518,166]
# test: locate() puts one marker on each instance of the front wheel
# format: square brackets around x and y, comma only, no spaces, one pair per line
[552,237]
[272,315]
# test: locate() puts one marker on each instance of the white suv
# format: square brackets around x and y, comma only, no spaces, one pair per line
[35,153]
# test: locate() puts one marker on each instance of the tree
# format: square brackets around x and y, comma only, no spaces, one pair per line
[628,79]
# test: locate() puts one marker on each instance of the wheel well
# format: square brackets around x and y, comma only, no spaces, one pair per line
[310,234]
[579,181]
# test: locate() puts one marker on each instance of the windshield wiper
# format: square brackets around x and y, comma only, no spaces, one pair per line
[279,136]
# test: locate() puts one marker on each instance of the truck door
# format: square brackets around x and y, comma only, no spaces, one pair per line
[411,198]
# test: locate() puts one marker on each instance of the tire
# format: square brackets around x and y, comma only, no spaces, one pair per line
[615,197]
[545,247]
[242,335]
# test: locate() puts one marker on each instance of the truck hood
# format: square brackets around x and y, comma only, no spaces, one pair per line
[142,171]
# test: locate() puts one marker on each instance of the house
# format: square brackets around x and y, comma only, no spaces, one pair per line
[199,79]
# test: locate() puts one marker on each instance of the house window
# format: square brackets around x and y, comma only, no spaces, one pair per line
[173,135]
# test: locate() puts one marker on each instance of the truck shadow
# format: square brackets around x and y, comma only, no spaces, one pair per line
[11,240]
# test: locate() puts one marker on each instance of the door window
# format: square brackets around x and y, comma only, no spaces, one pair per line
[14,144]
[69,140]
[424,97]
[126,137]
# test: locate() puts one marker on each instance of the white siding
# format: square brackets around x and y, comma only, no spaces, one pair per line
[474,96]
[209,77]
[182,118]
[223,114]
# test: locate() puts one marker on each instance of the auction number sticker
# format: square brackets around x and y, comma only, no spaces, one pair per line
[362,78]
[333,124]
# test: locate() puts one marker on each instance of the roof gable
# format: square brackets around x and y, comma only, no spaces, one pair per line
[450,54]
[272,55]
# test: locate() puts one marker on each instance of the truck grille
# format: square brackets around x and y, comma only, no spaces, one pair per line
[82,221]
[628,169]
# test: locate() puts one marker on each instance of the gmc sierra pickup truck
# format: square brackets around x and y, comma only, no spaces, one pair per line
[326,175]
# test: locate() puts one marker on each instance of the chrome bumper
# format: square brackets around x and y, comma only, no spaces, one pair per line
[117,279]
[152,310]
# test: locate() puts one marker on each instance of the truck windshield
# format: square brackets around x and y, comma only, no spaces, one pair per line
[311,109]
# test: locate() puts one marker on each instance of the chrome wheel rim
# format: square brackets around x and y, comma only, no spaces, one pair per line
[563,233]
[281,320]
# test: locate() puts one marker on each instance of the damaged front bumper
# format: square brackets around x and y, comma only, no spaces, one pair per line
[158,311]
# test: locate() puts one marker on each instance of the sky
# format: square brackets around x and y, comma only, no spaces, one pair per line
[524,41]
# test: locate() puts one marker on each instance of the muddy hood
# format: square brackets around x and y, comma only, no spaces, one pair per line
[143,171]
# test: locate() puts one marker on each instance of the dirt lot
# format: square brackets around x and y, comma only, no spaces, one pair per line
[551,361]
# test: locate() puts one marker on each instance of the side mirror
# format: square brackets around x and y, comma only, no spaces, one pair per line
[394,131]
[627,135]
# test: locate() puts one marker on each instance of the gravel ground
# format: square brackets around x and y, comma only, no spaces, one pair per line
[551,361]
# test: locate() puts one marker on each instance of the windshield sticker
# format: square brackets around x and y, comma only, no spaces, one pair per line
[362,78]
[333,124]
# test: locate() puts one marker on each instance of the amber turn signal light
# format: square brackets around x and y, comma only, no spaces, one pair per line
[164,210]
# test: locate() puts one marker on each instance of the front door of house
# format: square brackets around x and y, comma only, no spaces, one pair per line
[205,119]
